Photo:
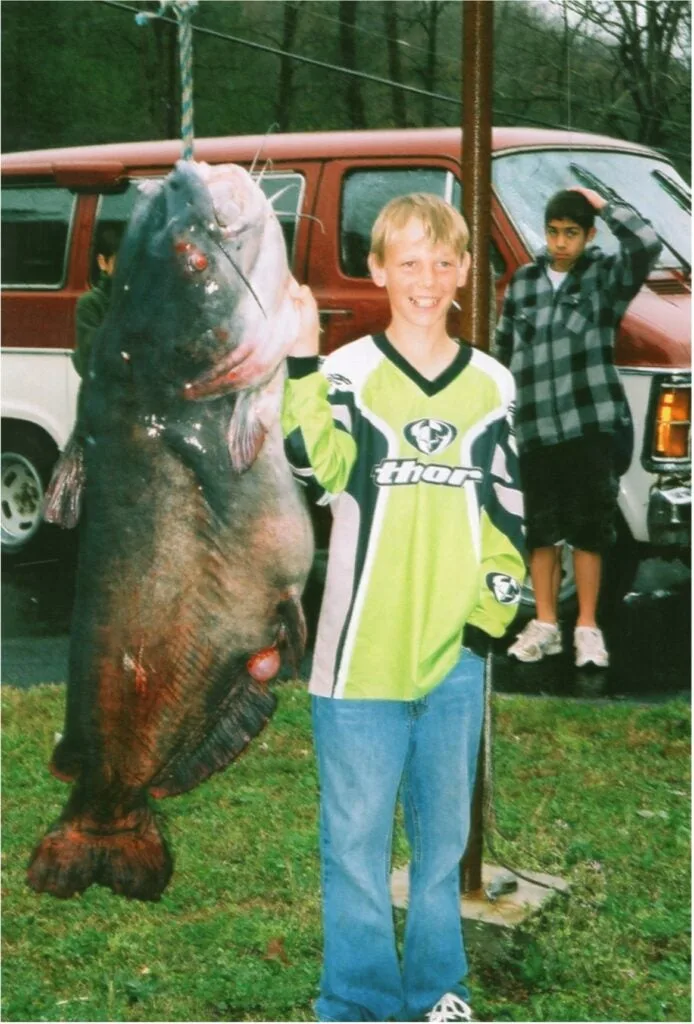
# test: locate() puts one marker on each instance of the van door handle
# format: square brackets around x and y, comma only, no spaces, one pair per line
[324,314]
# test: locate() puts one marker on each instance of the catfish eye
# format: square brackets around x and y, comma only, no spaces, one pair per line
[197,260]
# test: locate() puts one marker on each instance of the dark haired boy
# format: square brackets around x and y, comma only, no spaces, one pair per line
[64,493]
[556,333]
[91,307]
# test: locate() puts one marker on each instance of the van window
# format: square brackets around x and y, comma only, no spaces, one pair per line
[35,232]
[524,182]
[364,193]
[113,212]
[285,191]
[498,263]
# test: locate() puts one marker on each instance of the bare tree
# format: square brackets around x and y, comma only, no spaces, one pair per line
[427,13]
[390,25]
[652,39]
[348,57]
[285,85]
[160,70]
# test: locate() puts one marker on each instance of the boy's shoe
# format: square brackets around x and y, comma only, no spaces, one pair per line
[536,640]
[450,1007]
[590,647]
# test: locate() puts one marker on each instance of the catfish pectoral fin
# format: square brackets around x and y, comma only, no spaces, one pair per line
[133,860]
[243,713]
[63,502]
[246,432]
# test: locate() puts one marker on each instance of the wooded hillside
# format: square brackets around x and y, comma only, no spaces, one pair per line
[85,72]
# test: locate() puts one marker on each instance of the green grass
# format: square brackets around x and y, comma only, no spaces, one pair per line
[236,935]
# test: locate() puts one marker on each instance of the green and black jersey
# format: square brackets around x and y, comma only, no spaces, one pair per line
[427,531]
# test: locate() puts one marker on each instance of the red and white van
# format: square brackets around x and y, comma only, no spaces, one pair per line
[332,185]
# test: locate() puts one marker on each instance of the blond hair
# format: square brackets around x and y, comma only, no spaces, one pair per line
[441,222]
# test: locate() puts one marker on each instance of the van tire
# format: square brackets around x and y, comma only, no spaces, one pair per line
[28,458]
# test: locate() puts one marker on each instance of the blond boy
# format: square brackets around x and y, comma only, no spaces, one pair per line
[408,434]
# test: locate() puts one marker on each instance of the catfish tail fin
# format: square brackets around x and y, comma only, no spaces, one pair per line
[131,857]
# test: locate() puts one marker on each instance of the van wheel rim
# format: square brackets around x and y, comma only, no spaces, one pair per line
[22,500]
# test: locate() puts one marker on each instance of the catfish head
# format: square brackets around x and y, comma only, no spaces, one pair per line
[200,309]
[252,239]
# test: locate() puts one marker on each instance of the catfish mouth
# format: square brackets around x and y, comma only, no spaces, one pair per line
[221,379]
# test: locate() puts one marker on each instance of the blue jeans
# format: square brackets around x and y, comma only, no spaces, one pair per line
[367,750]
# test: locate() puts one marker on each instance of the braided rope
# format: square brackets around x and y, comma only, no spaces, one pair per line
[185,55]
[183,9]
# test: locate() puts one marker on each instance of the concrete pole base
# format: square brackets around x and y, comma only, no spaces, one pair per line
[507,910]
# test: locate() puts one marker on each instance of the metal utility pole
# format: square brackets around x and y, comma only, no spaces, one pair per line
[478,31]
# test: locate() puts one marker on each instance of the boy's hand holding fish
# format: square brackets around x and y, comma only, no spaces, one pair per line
[307,341]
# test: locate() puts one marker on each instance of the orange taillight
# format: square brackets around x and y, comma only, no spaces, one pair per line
[672,423]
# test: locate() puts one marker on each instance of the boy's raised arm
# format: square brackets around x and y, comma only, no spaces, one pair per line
[639,248]
[316,427]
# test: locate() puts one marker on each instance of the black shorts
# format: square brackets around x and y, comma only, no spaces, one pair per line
[570,493]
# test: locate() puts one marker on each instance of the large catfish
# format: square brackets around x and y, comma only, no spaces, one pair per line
[195,542]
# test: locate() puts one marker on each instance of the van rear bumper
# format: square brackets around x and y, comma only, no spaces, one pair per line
[669,514]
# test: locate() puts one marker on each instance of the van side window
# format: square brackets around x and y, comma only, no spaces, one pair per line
[364,193]
[286,193]
[35,231]
[497,261]
[113,212]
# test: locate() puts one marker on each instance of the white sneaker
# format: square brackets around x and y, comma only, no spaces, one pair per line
[590,647]
[450,1007]
[536,640]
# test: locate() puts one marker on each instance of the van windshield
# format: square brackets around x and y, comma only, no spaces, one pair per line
[524,182]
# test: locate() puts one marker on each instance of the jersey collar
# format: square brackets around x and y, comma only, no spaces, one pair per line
[429,387]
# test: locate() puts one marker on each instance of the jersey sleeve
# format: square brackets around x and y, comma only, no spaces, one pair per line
[317,427]
[502,569]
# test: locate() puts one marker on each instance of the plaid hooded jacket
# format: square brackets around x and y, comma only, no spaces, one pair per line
[559,345]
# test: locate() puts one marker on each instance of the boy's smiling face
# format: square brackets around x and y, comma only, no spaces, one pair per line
[420,276]
[566,241]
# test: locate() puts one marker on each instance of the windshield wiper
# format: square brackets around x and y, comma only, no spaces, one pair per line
[591,180]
